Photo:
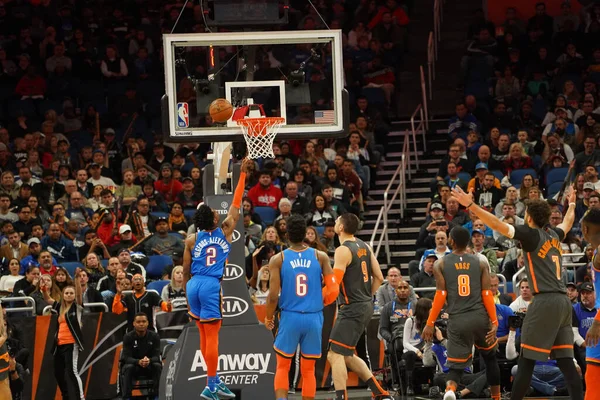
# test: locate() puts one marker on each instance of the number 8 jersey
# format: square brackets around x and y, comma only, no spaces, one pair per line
[462,274]
[301,281]
[209,254]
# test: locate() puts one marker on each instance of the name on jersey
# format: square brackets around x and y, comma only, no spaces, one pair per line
[549,245]
[462,265]
[224,244]
[300,263]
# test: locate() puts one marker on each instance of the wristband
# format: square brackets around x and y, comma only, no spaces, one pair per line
[572,204]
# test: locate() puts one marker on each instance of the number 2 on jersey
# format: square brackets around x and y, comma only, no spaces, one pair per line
[301,285]
[211,256]
[464,285]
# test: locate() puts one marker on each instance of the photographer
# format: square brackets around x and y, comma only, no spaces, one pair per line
[433,224]
[257,260]
[547,379]
[504,313]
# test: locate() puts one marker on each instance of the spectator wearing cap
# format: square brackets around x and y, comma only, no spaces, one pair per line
[425,278]
[433,224]
[188,197]
[60,247]
[168,187]
[161,242]
[14,248]
[48,191]
[589,156]
[126,240]
[476,183]
[264,193]
[32,259]
[130,267]
[477,240]
[108,228]
[487,195]
[572,292]
[566,130]
[583,203]
[583,317]
[96,177]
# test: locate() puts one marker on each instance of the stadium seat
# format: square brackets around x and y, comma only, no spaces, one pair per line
[553,189]
[374,95]
[71,267]
[104,263]
[157,285]
[556,175]
[267,214]
[159,214]
[465,176]
[189,214]
[320,230]
[156,266]
[498,174]
[517,175]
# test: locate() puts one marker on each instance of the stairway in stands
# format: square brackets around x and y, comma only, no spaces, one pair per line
[403,234]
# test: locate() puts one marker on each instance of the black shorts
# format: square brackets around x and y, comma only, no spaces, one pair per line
[351,321]
[465,331]
[547,330]
[4,358]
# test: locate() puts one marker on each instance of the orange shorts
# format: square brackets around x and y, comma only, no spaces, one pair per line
[592,382]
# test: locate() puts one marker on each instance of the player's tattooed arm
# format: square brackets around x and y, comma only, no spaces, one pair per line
[274,289]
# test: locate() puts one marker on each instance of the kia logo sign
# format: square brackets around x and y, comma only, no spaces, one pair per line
[232,272]
[234,306]
[235,236]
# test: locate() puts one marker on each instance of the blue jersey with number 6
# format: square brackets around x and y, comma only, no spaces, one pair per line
[301,281]
[209,255]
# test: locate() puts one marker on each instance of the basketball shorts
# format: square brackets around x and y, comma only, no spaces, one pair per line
[351,321]
[205,299]
[304,329]
[465,331]
[592,382]
[4,359]
[547,330]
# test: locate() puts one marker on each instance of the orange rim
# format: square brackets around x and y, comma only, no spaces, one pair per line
[259,126]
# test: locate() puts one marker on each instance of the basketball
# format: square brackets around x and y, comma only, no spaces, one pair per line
[220,110]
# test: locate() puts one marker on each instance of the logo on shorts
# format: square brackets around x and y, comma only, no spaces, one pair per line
[234,306]
[235,236]
[232,272]
[183,115]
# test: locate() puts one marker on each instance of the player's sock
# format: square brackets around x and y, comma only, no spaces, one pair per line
[211,356]
[375,387]
[341,394]
[309,381]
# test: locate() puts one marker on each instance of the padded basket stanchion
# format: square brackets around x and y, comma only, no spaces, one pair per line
[259,134]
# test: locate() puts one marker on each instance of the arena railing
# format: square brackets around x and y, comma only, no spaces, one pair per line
[400,175]
[565,264]
[431,59]
[26,299]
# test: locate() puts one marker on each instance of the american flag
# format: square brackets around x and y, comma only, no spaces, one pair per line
[325,117]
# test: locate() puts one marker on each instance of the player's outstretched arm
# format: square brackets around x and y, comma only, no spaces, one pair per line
[488,300]
[569,217]
[332,286]
[438,301]
[233,215]
[466,200]
[274,289]
[376,273]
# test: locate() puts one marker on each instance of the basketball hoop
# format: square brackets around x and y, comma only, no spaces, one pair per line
[259,134]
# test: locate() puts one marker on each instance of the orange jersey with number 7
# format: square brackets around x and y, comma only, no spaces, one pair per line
[356,284]
[542,254]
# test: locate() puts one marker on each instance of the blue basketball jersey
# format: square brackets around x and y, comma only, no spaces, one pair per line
[209,255]
[301,281]
[592,354]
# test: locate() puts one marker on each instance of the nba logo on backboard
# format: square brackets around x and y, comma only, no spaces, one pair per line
[183,115]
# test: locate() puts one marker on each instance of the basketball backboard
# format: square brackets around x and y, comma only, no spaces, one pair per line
[296,75]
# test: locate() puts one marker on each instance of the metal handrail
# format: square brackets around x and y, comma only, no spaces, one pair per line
[502,283]
[430,64]
[425,107]
[103,305]
[399,174]
[19,309]
[418,128]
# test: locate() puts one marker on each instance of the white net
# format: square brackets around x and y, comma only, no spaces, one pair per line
[259,134]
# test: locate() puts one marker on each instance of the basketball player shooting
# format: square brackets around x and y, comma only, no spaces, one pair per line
[296,273]
[204,262]
[546,331]
[465,280]
[590,226]
[357,270]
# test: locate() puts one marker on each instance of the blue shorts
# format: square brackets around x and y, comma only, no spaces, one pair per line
[204,298]
[299,329]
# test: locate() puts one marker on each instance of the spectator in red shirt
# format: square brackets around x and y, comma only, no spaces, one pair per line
[31,85]
[351,181]
[264,193]
[167,186]
[398,14]
[517,159]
